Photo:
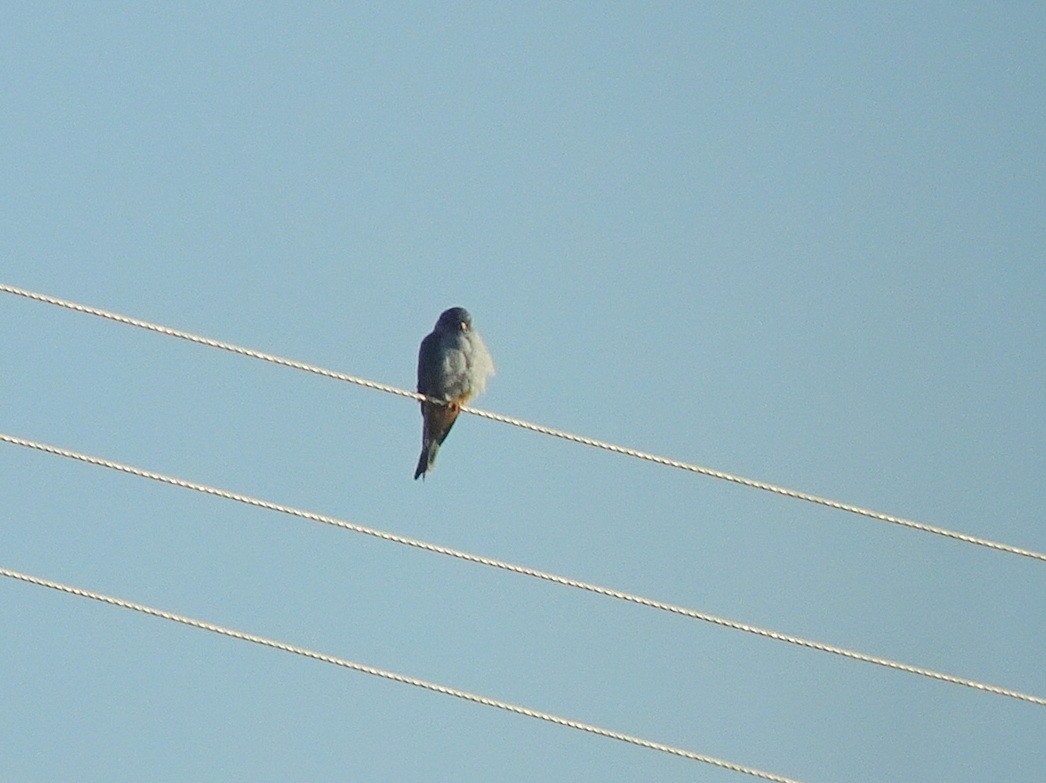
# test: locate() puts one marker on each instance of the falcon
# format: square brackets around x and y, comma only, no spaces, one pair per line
[453,365]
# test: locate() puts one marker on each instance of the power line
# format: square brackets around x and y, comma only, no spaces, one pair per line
[523,424]
[523,570]
[395,677]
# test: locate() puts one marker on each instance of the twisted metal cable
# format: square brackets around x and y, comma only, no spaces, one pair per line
[766,486]
[524,570]
[395,677]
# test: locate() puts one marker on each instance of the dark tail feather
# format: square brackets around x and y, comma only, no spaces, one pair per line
[426,460]
[438,419]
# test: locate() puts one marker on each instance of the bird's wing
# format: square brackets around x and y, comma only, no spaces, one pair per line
[430,362]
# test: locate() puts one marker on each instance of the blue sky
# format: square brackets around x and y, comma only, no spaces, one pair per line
[802,243]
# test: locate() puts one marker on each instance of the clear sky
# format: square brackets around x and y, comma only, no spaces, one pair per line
[803,243]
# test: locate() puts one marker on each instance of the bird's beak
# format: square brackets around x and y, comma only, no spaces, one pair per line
[464,326]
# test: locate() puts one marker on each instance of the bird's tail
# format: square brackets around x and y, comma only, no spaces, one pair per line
[427,459]
[438,419]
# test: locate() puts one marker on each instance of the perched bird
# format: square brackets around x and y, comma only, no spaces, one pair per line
[453,365]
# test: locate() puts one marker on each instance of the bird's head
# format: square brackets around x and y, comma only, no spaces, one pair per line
[455,319]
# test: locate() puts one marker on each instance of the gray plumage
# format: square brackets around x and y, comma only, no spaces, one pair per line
[453,365]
